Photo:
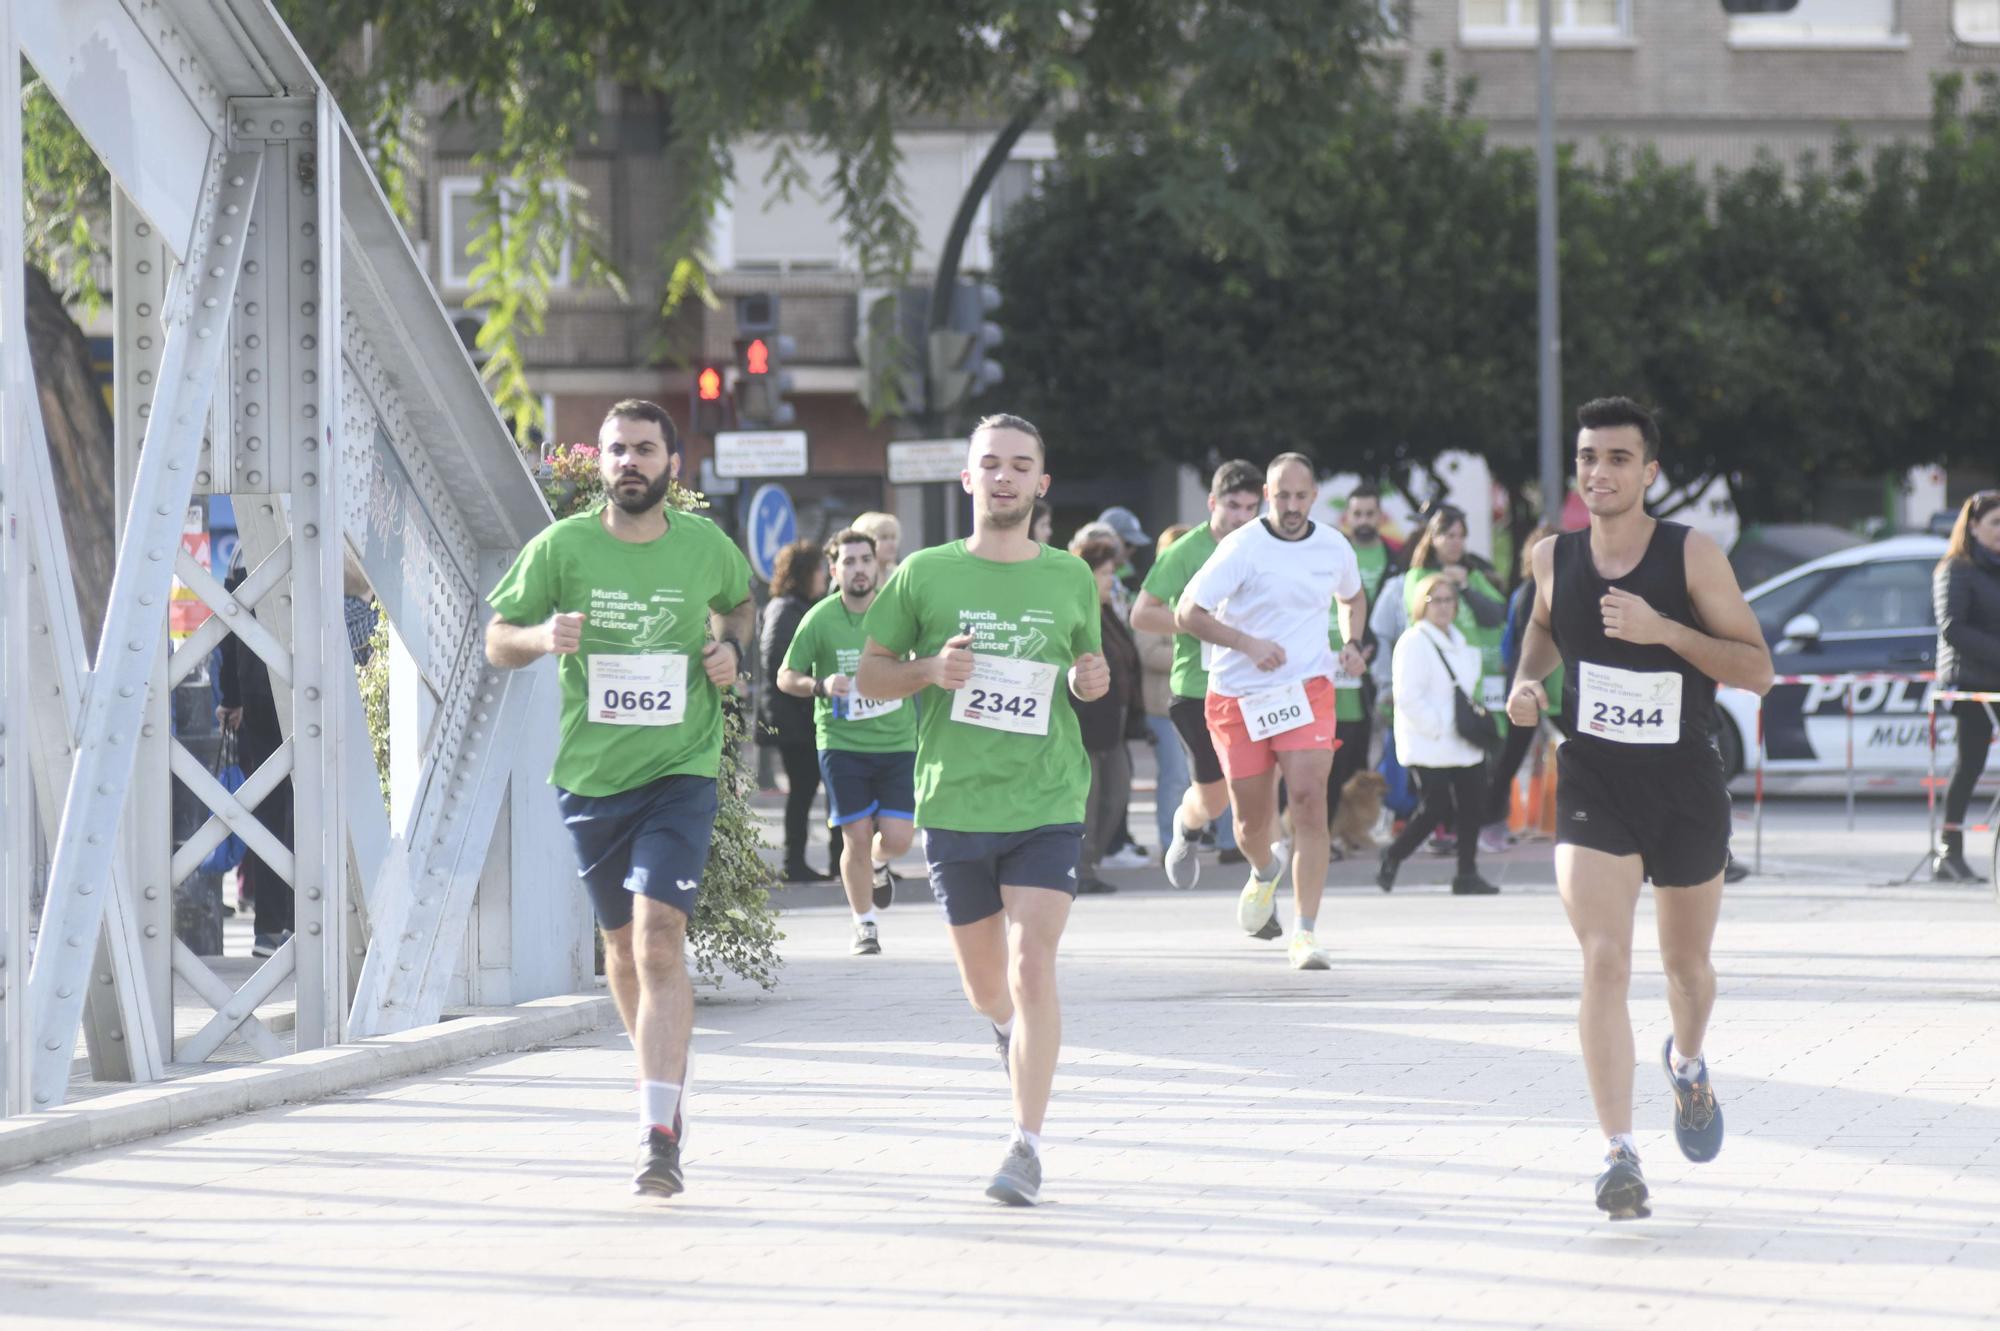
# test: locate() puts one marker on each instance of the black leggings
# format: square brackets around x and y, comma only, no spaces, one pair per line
[1975,733]
[1444,787]
[802,774]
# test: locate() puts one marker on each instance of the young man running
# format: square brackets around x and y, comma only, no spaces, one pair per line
[645,612]
[1265,600]
[1234,494]
[993,624]
[867,749]
[1646,619]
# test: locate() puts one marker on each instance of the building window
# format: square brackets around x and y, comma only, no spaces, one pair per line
[458,211]
[1976,20]
[1812,22]
[1515,20]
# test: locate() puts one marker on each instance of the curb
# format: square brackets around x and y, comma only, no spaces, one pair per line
[148,1111]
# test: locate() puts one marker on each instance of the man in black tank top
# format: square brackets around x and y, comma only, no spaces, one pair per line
[1647,619]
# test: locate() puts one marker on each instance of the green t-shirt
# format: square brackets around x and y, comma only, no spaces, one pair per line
[648,601]
[829,641]
[972,778]
[1168,578]
[1373,560]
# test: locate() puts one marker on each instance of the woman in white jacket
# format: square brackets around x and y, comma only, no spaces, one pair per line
[1451,769]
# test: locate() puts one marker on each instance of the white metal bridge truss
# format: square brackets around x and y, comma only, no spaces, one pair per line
[276,341]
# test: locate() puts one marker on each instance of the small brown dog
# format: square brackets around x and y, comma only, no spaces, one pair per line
[1352,829]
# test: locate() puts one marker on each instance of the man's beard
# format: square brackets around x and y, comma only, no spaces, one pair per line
[1365,531]
[1019,516]
[1291,522]
[650,500]
[860,587]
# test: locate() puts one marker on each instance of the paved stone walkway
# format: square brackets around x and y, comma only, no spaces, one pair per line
[1404,1141]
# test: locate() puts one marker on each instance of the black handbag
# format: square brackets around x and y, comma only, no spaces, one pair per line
[1474,723]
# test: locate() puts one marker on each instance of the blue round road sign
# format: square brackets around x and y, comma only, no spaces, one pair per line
[769,525]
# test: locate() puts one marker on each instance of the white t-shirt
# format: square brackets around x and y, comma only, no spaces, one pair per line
[1277,589]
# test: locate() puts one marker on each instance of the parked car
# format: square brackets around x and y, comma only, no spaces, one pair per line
[1857,611]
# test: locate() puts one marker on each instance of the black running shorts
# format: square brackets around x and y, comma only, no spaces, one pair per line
[1673,813]
[1190,718]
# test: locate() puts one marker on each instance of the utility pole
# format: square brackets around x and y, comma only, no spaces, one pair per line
[1555,489]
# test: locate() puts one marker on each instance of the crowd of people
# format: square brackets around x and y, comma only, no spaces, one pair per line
[987,691]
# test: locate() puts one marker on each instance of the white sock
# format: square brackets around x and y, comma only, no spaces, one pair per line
[657,1102]
[1270,872]
[1688,1067]
[866,916]
[1033,1140]
[1006,1027]
[879,864]
[1624,1140]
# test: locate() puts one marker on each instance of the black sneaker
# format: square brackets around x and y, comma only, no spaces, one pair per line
[1385,873]
[1004,1043]
[1950,867]
[867,939]
[1734,870]
[1272,929]
[1229,855]
[1621,1188]
[885,888]
[1697,1117]
[1090,887]
[1472,885]
[659,1169]
[1019,1180]
[263,945]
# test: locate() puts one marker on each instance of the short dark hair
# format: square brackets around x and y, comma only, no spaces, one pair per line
[1001,420]
[848,536]
[1608,413]
[1284,460]
[1235,476]
[638,409]
[1365,490]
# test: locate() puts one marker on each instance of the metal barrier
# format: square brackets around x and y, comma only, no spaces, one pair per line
[1850,680]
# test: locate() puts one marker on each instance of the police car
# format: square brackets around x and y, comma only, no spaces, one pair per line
[1864,611]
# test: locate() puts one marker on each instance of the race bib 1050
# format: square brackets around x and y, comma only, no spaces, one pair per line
[1006,694]
[1629,706]
[644,690]
[1275,711]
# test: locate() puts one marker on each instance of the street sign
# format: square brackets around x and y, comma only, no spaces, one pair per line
[916,461]
[741,453]
[769,525]
[709,483]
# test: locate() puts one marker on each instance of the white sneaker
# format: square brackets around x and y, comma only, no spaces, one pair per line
[1182,864]
[1127,857]
[1306,954]
[1258,900]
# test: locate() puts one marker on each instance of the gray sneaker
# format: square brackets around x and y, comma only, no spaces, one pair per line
[867,939]
[1182,864]
[1019,1181]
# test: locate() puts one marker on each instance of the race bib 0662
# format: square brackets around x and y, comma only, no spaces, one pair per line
[642,690]
[1006,694]
[1629,706]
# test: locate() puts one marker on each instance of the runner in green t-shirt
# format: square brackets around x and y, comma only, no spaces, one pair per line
[1361,521]
[1235,493]
[645,612]
[986,629]
[867,749]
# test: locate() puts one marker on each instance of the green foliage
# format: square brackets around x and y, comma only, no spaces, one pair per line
[374,681]
[1793,321]
[734,928]
[66,197]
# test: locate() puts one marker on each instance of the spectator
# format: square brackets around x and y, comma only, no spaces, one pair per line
[798,580]
[1361,523]
[1965,590]
[888,534]
[1500,782]
[1042,527]
[1131,539]
[1432,662]
[1107,722]
[249,708]
[1388,619]
[1122,852]
[1156,662]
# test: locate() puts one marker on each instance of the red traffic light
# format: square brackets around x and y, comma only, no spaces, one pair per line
[708,384]
[757,357]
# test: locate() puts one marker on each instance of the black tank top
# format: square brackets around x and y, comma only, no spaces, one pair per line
[1577,618]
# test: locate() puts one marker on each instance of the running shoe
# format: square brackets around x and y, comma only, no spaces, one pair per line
[1472,885]
[1004,1043]
[1734,870]
[1182,864]
[659,1169]
[1621,1188]
[1019,1180]
[1697,1117]
[1306,954]
[1273,928]
[1443,845]
[885,887]
[1385,872]
[1128,857]
[1229,855]
[1258,900]
[1494,838]
[867,939]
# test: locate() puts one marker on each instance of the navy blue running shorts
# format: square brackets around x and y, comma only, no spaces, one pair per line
[967,868]
[650,841]
[859,785]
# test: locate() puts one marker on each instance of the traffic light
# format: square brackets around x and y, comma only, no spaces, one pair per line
[961,366]
[708,407]
[762,381]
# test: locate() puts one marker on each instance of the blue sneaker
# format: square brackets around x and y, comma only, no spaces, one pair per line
[1621,1188]
[1697,1117]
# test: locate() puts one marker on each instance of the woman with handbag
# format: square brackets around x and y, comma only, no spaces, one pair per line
[1443,733]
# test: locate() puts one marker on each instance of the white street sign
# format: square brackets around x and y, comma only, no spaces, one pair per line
[740,453]
[915,461]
